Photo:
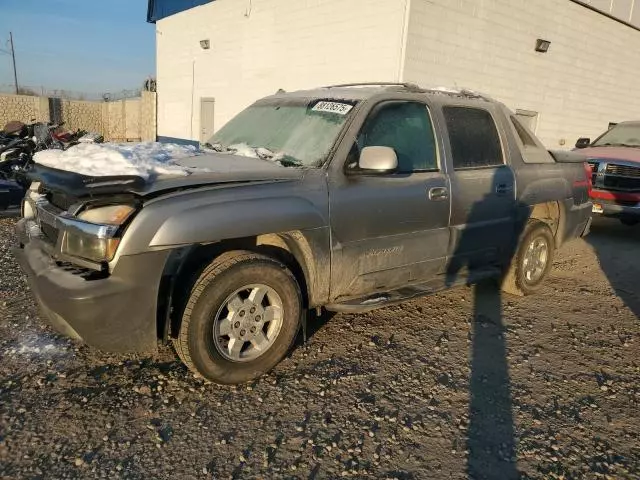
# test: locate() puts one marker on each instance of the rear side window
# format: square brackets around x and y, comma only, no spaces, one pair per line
[525,138]
[474,137]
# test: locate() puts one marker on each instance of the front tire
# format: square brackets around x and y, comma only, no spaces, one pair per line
[241,318]
[532,262]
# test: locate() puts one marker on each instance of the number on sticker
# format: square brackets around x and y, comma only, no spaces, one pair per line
[332,107]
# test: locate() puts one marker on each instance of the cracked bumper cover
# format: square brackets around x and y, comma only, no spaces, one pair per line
[114,314]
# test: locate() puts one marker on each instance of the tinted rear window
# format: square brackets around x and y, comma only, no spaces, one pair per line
[474,137]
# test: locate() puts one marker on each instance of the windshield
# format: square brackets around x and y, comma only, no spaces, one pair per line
[294,132]
[623,135]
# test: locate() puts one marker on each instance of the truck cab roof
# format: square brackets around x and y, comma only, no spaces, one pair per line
[371,90]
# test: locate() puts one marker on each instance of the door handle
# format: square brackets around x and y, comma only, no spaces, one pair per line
[504,189]
[438,194]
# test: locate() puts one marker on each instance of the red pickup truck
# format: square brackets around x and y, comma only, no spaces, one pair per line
[614,158]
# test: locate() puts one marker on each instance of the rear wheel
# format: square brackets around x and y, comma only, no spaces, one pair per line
[241,318]
[532,262]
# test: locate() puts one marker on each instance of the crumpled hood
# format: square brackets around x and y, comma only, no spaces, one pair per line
[628,154]
[207,169]
[217,168]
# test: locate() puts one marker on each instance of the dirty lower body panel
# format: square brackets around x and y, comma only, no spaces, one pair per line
[116,313]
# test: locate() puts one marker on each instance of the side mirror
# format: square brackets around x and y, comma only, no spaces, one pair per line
[583,142]
[377,160]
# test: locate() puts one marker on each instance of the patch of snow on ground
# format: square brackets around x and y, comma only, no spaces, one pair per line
[38,345]
[145,159]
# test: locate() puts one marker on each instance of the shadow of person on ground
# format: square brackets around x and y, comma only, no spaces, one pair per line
[617,247]
[491,441]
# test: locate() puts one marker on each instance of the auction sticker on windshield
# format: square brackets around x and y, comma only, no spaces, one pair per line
[332,107]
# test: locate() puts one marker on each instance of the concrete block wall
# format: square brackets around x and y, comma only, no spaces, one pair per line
[23,108]
[124,120]
[589,77]
[82,115]
[290,44]
[147,120]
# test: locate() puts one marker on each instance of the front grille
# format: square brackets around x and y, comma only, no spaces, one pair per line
[623,170]
[85,273]
[594,171]
[615,182]
[50,232]
[614,176]
[61,200]
[619,176]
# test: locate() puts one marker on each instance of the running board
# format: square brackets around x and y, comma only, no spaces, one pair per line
[380,300]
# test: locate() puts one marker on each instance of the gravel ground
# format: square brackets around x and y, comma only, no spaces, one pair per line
[462,384]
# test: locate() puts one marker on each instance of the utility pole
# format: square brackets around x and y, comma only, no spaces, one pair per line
[13,56]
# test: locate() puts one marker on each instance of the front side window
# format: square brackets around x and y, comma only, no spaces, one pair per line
[406,127]
[294,132]
[474,138]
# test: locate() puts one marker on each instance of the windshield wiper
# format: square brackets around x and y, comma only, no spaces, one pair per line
[216,147]
[280,157]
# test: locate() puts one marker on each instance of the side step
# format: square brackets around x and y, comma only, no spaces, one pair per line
[380,300]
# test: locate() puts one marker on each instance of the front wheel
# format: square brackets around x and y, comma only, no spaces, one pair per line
[532,262]
[241,318]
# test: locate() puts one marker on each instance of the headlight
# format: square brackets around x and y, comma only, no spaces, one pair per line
[95,240]
[111,215]
[96,249]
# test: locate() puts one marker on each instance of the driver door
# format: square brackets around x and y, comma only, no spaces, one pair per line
[390,229]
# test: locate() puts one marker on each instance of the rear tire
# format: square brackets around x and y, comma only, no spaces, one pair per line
[241,318]
[532,262]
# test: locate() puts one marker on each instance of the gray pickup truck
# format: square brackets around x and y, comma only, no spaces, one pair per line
[346,198]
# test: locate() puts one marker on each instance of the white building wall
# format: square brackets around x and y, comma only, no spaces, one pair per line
[589,77]
[289,44]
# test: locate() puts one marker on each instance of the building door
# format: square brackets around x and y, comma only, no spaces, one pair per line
[207,110]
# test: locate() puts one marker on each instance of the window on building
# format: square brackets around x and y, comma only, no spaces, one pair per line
[406,127]
[474,138]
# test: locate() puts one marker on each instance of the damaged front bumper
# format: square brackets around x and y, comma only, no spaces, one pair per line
[113,311]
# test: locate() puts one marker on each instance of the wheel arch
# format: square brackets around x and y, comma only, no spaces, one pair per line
[185,264]
[551,214]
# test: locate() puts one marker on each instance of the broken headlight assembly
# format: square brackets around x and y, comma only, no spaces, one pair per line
[94,234]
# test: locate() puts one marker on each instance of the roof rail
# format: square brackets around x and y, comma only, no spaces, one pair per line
[412,87]
[463,92]
[408,86]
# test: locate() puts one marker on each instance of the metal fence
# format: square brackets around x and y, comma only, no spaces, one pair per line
[40,91]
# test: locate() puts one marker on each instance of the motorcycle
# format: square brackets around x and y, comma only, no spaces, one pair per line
[66,139]
[19,142]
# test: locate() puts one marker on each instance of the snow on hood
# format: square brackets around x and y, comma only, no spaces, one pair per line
[146,159]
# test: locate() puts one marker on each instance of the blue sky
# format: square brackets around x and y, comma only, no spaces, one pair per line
[82,45]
